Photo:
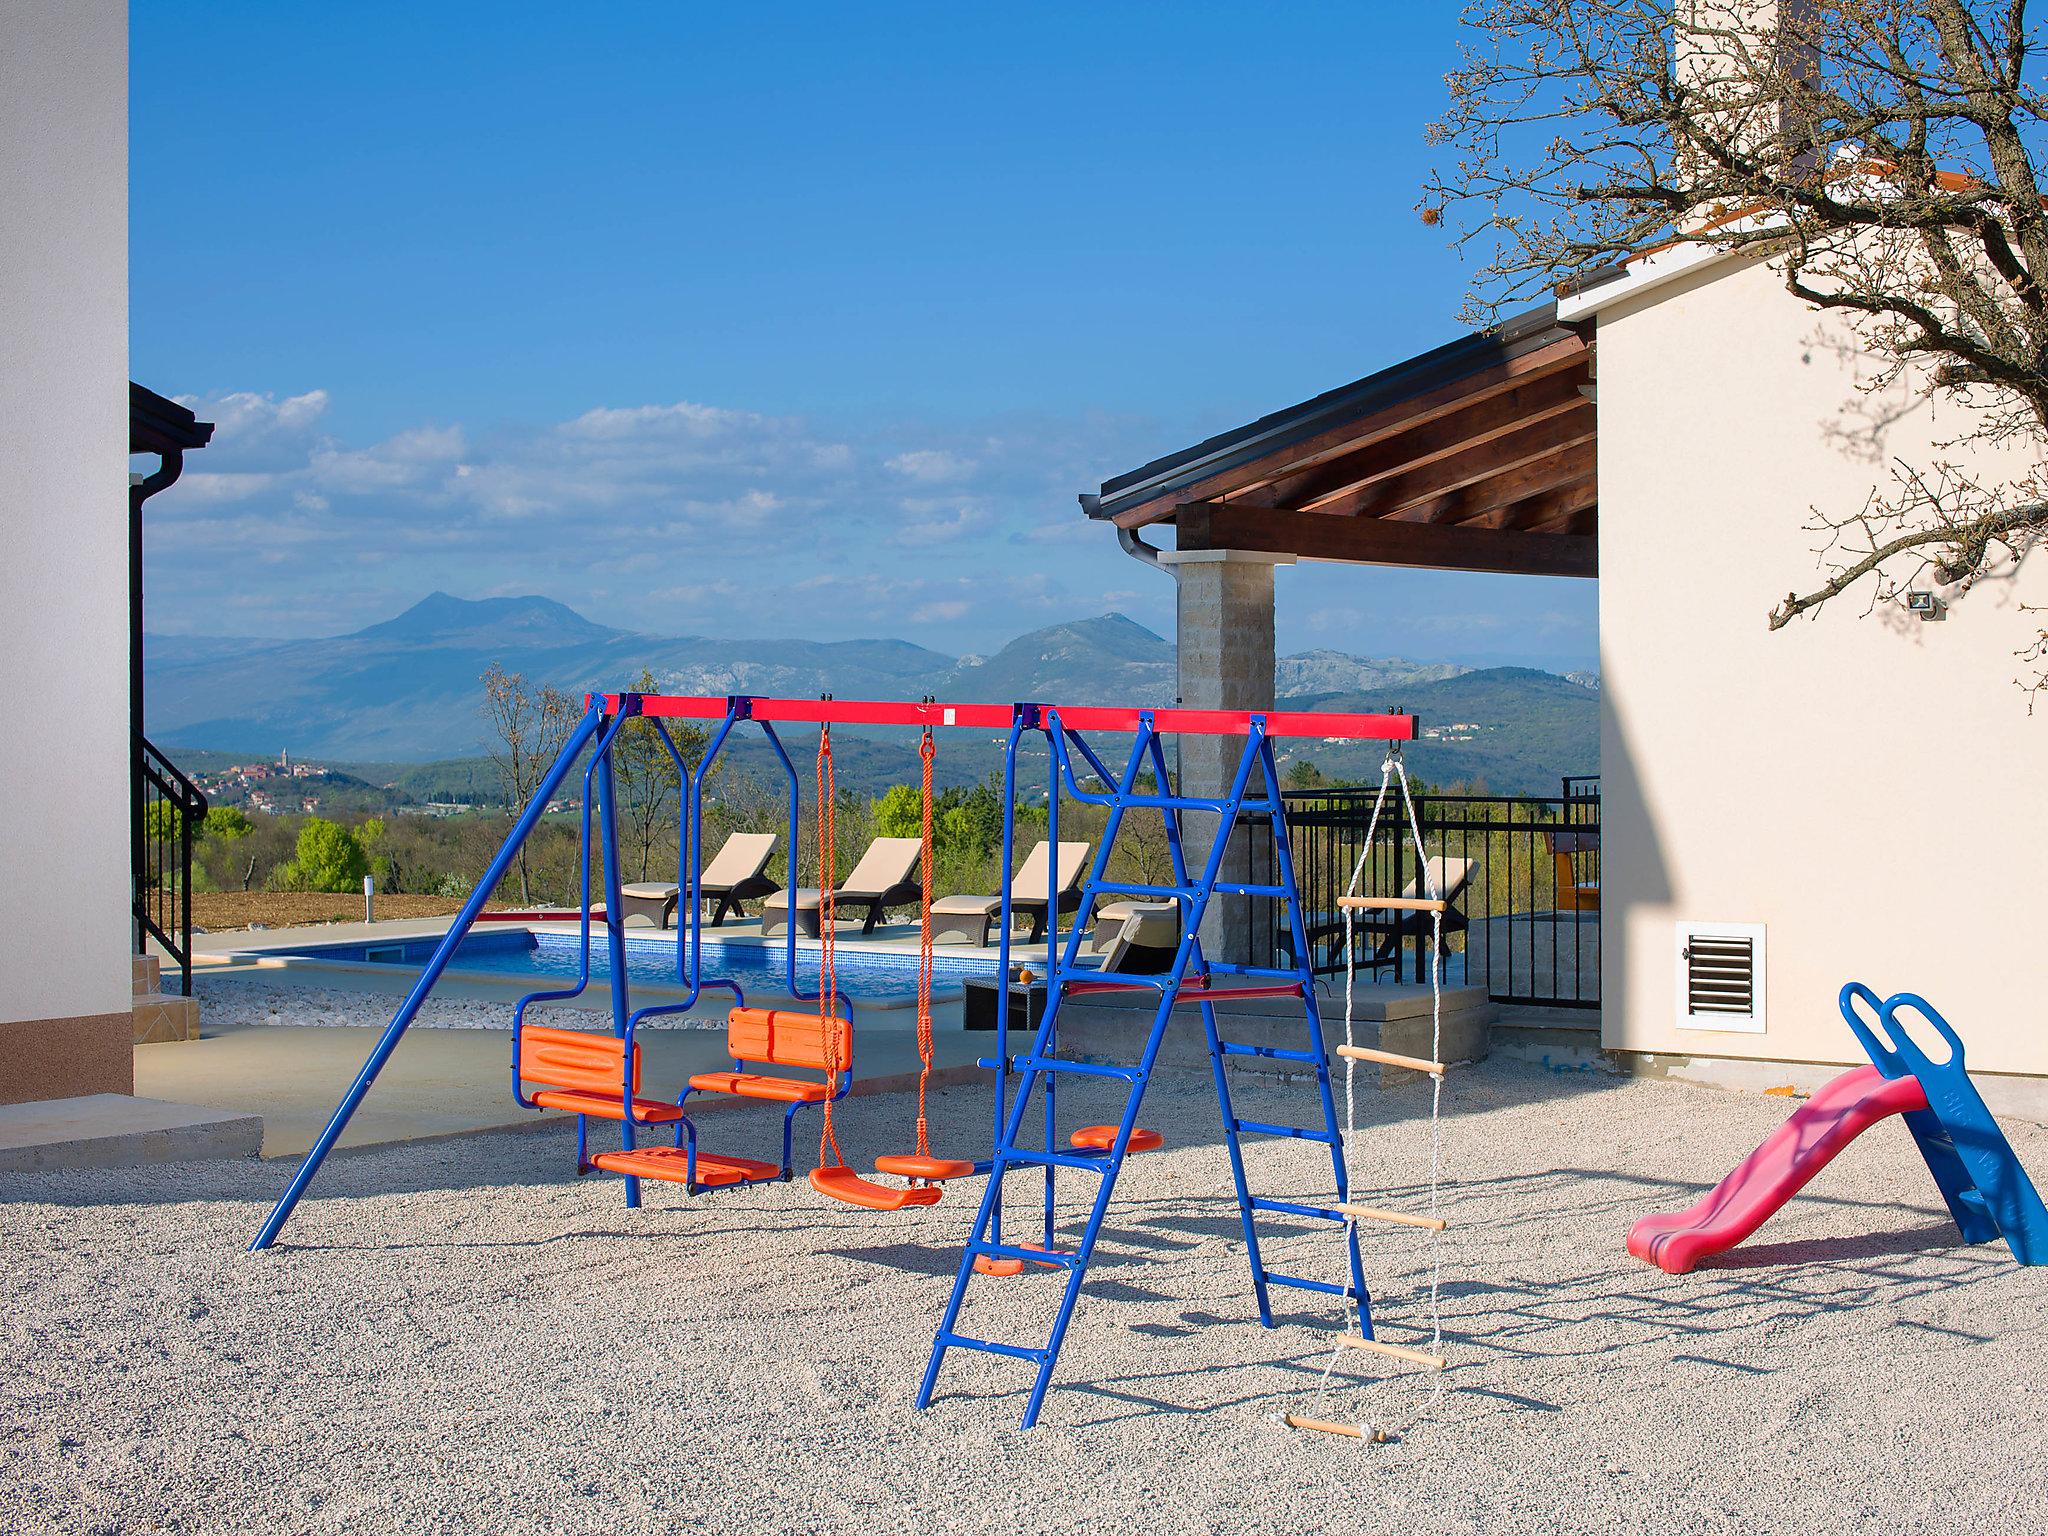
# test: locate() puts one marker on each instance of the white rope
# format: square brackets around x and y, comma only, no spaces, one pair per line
[1392,770]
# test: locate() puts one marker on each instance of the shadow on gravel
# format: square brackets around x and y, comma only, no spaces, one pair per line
[1837,1250]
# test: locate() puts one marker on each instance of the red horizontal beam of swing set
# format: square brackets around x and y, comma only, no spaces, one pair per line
[999,717]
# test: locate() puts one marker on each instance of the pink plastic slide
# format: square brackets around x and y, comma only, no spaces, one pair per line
[1775,1171]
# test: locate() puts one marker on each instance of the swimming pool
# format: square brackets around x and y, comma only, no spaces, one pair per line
[548,959]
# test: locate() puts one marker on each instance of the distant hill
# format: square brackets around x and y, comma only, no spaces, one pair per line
[1513,729]
[399,703]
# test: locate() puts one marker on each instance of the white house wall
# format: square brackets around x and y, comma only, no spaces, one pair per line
[1871,789]
[64,899]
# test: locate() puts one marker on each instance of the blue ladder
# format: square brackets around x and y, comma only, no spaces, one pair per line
[1187,981]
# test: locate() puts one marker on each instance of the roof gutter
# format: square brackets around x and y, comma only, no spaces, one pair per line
[1128,541]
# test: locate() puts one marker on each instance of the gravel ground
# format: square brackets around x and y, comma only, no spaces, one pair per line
[236,1002]
[462,1337]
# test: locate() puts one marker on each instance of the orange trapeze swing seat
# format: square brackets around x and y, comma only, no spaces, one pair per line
[925,1173]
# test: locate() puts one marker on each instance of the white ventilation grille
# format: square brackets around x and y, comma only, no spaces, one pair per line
[1721,977]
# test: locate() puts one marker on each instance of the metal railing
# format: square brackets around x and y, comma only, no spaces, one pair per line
[1526,923]
[165,813]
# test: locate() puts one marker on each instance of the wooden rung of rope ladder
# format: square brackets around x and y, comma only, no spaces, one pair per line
[1398,1351]
[1393,904]
[1373,1213]
[1332,1427]
[1392,1059]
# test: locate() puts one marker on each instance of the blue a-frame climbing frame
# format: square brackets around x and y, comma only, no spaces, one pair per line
[1144,785]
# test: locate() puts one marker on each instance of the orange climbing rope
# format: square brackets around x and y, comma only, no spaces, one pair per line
[925,751]
[836,1179]
[920,1166]
[832,1177]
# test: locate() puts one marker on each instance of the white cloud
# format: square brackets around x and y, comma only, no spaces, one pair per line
[932,465]
[937,525]
[639,513]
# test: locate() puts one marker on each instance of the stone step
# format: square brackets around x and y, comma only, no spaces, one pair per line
[111,1130]
[147,974]
[160,1018]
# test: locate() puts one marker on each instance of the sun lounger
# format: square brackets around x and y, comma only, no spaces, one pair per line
[1389,930]
[733,876]
[882,879]
[1136,937]
[971,918]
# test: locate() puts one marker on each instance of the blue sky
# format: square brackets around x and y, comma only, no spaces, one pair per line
[771,319]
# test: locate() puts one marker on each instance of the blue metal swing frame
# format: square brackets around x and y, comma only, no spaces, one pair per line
[598,728]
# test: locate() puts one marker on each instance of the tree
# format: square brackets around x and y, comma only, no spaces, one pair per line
[529,726]
[1303,774]
[328,858]
[900,812]
[1880,154]
[228,823]
[162,822]
[649,788]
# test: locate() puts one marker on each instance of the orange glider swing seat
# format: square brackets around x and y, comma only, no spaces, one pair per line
[588,1074]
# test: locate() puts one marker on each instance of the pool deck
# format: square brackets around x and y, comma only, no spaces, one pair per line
[450,1082]
[444,1082]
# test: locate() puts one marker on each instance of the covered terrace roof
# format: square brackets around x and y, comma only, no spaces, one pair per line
[1477,456]
[158,425]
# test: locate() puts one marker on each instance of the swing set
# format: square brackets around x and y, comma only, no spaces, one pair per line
[595,1075]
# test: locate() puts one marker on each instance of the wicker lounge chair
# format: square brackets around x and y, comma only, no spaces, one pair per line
[882,879]
[971,918]
[732,877]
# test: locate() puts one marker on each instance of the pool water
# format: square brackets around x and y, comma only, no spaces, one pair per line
[758,966]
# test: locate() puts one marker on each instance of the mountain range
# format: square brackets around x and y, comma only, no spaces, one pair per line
[407,690]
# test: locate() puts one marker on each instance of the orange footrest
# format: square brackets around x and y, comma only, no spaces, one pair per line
[672,1166]
[606,1106]
[992,1264]
[909,1166]
[760,1085]
[1101,1138]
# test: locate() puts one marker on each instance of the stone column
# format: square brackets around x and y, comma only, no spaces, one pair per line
[1224,634]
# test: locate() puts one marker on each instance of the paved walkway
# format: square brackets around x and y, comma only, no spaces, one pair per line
[445,1082]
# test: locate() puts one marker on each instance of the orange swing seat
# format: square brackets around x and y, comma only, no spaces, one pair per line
[842,1183]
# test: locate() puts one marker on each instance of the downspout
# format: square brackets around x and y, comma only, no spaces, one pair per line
[171,464]
[1130,543]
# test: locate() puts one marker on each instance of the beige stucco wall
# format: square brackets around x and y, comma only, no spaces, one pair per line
[63,527]
[1870,789]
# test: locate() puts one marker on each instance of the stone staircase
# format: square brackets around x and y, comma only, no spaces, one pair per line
[160,1017]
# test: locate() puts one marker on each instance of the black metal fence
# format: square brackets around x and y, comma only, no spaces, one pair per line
[164,816]
[1522,872]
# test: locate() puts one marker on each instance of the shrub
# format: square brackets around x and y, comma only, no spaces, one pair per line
[328,858]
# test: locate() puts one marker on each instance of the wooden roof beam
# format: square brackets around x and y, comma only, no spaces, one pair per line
[1535,510]
[1496,416]
[1460,394]
[1564,466]
[1546,443]
[1374,541]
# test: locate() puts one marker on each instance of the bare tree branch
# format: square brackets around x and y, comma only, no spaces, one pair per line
[1881,155]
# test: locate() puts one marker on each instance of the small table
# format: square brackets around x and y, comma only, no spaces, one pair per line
[978,1003]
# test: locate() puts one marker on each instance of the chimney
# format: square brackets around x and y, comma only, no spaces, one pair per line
[1734,61]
